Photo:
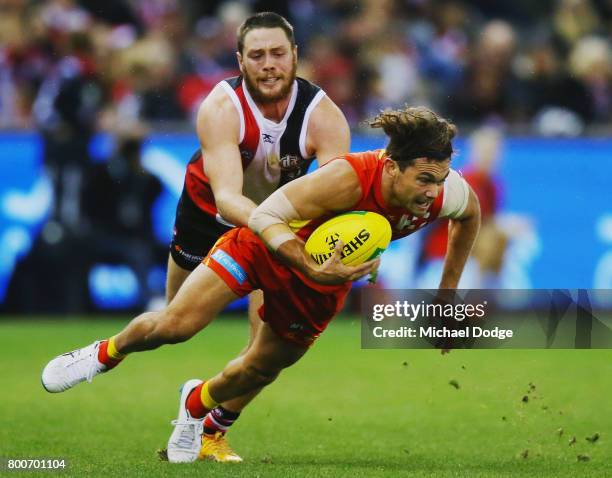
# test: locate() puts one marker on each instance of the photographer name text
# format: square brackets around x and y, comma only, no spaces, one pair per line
[441,332]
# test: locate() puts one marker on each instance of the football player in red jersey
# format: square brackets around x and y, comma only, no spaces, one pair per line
[410,182]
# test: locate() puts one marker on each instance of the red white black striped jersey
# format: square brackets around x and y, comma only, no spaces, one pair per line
[272,153]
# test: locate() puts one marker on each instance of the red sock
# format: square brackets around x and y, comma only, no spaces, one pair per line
[194,404]
[104,358]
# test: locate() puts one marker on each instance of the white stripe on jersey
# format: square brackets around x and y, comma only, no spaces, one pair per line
[315,101]
[234,97]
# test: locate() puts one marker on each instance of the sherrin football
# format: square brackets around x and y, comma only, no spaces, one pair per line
[365,235]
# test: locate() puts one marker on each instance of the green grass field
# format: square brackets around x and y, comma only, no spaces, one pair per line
[341,411]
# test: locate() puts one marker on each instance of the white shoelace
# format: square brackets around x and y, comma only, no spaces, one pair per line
[93,365]
[187,436]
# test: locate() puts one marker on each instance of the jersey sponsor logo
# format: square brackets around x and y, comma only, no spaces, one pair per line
[230,265]
[193,258]
[267,138]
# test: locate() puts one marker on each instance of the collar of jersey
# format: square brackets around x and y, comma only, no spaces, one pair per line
[263,120]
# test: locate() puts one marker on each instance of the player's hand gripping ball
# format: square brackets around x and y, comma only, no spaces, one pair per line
[365,235]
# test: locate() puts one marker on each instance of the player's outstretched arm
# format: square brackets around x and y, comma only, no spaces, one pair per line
[333,188]
[462,234]
[218,127]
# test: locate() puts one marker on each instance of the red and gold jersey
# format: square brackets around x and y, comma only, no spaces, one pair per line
[297,308]
[369,168]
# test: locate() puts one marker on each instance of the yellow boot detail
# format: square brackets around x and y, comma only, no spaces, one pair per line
[216,448]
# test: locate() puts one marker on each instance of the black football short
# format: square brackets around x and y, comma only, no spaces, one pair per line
[195,232]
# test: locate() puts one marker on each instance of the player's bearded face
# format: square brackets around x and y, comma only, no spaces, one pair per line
[268,64]
[419,185]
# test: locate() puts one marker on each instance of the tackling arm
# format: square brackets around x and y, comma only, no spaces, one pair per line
[461,237]
[218,127]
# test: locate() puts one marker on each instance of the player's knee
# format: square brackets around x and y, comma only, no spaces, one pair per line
[257,375]
[174,328]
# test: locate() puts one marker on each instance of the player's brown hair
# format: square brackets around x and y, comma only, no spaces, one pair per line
[415,132]
[264,20]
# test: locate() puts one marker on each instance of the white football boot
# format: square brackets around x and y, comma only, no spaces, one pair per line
[69,369]
[186,439]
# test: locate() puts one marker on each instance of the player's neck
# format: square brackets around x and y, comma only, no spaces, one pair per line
[274,111]
[386,181]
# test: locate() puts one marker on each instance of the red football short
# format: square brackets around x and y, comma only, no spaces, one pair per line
[296,309]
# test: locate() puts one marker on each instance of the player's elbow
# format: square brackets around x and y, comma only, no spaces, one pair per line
[260,219]
[276,209]
[226,202]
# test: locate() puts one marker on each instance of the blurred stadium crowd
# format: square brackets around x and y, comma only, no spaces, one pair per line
[70,69]
[94,64]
